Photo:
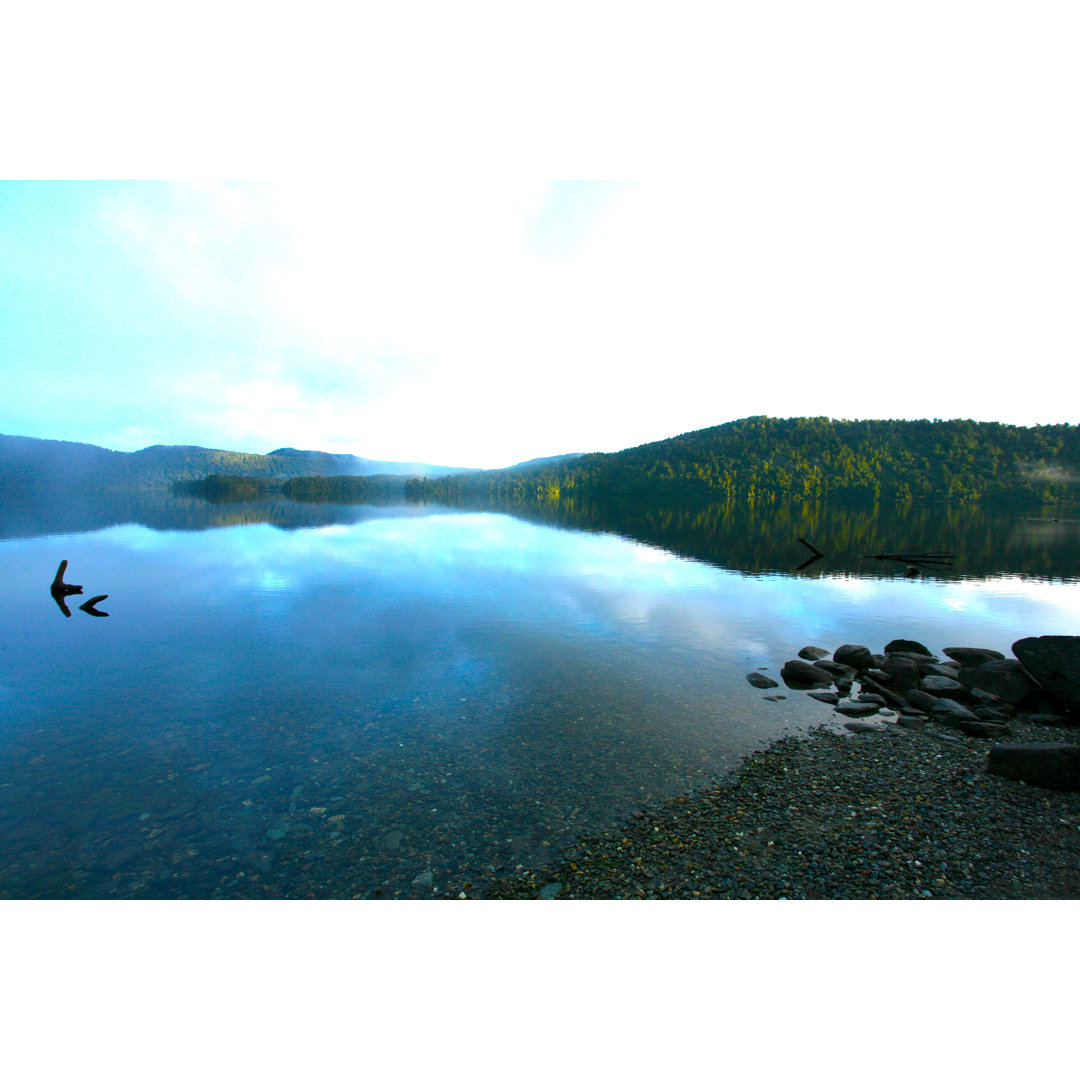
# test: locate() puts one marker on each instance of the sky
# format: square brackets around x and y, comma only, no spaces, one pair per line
[878,222]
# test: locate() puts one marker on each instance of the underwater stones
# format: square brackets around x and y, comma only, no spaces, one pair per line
[861,727]
[828,696]
[812,653]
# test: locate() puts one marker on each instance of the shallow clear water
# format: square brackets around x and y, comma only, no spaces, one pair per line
[342,709]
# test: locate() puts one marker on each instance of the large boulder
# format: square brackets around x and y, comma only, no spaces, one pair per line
[903,672]
[1054,662]
[1046,765]
[857,656]
[940,686]
[1005,678]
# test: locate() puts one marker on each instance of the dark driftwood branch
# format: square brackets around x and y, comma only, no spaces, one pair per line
[89,608]
[61,589]
[816,550]
[58,586]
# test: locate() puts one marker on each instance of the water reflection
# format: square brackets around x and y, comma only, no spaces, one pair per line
[354,705]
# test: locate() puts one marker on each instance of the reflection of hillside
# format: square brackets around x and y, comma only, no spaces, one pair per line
[758,541]
[27,517]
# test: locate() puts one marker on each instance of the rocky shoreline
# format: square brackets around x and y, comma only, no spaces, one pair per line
[915,802]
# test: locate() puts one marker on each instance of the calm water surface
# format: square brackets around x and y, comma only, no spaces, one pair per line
[395,701]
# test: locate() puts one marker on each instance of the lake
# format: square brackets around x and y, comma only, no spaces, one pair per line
[291,701]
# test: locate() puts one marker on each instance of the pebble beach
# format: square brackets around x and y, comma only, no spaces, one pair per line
[893,815]
[897,809]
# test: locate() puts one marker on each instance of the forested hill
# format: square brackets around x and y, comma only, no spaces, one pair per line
[37,465]
[761,459]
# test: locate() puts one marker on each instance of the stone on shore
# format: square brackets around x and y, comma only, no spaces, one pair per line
[1054,662]
[812,653]
[1005,678]
[1045,765]
[948,711]
[942,687]
[860,727]
[858,708]
[903,672]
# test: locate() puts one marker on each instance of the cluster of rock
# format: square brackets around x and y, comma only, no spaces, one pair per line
[977,692]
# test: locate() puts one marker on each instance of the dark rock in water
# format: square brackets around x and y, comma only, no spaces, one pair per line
[1005,678]
[799,675]
[774,697]
[1054,662]
[812,652]
[843,684]
[947,711]
[903,673]
[1045,765]
[905,646]
[921,700]
[857,656]
[857,708]
[941,687]
[825,695]
[762,682]
[840,670]
[878,659]
[966,657]
[873,699]
[862,728]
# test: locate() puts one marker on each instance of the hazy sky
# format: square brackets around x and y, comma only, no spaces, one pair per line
[887,229]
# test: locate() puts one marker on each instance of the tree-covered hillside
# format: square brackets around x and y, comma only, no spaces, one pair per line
[765,460]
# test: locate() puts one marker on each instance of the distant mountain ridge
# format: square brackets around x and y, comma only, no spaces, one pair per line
[32,465]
